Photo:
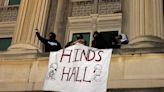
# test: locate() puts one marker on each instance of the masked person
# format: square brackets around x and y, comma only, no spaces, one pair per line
[51,44]
[99,41]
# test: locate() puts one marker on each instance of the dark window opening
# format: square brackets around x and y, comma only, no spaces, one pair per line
[108,37]
[5,43]
[163,5]
[14,2]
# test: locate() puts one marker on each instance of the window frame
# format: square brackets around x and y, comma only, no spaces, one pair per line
[6,3]
[91,33]
[74,32]
[110,30]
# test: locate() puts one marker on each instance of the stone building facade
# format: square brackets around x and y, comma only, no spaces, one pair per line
[137,66]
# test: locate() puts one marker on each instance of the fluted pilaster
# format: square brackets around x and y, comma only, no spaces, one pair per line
[2,2]
[32,14]
[143,22]
[60,20]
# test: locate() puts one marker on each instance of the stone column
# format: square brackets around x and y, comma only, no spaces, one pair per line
[32,14]
[59,20]
[143,22]
[2,2]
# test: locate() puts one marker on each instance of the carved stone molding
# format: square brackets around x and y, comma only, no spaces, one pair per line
[7,29]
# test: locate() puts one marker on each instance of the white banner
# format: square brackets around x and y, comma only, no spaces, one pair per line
[78,68]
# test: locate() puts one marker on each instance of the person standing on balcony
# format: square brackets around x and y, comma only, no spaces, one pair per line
[99,41]
[51,44]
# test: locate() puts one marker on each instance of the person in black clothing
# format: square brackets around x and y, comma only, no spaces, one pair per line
[95,37]
[116,43]
[51,44]
[99,41]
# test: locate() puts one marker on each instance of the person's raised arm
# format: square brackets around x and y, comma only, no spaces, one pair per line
[43,40]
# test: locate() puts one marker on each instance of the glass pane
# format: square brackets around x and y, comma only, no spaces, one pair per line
[86,37]
[14,2]
[4,43]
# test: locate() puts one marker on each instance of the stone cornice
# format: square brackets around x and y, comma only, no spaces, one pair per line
[109,21]
[7,29]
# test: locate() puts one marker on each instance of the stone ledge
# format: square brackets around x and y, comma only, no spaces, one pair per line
[123,72]
[34,54]
[132,51]
[19,54]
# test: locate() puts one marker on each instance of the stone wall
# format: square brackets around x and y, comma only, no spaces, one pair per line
[26,72]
